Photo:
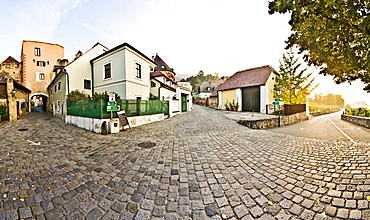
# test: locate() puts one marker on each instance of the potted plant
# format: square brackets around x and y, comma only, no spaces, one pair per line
[227,106]
[236,106]
[232,105]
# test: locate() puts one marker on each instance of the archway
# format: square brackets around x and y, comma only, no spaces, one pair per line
[38,102]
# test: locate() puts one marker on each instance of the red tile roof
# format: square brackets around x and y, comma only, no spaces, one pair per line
[10,60]
[158,73]
[183,80]
[247,78]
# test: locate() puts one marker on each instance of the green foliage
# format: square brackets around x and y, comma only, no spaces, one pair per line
[153,97]
[330,99]
[4,112]
[323,108]
[103,95]
[293,80]
[76,95]
[197,80]
[334,35]
[361,112]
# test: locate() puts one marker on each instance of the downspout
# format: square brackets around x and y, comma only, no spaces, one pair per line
[92,77]
[65,101]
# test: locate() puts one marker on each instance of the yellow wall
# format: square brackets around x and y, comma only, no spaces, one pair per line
[228,96]
[270,87]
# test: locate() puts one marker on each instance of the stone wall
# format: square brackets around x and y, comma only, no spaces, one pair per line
[273,122]
[362,121]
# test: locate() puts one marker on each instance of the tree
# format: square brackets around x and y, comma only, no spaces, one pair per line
[195,83]
[293,80]
[197,80]
[329,99]
[333,34]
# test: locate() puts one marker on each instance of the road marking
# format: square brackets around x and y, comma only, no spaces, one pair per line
[33,143]
[302,129]
[349,138]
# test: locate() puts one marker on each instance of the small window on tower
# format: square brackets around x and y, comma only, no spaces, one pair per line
[37,51]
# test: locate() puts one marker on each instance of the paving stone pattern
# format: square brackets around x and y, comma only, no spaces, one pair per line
[203,166]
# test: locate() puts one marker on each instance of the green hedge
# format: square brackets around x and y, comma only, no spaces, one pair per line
[362,112]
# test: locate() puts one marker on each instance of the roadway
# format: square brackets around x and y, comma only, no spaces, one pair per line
[329,127]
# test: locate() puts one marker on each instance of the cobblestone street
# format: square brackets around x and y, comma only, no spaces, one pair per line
[203,166]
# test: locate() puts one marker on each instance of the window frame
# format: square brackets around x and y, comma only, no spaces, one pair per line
[84,86]
[58,106]
[138,70]
[41,63]
[40,76]
[104,71]
[37,51]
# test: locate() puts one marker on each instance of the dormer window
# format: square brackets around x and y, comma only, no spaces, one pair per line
[163,67]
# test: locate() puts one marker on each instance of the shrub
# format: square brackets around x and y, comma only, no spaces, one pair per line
[4,113]
[76,95]
[103,95]
[361,112]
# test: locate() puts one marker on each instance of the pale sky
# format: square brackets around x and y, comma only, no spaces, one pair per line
[222,36]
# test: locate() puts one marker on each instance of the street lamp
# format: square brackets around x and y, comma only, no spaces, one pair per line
[278,91]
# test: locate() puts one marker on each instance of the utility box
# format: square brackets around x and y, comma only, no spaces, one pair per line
[113,125]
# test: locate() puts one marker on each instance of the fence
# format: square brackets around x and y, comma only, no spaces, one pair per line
[286,109]
[292,109]
[98,108]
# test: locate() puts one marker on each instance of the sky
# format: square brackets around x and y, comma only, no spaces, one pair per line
[223,36]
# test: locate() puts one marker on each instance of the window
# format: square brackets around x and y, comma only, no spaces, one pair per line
[51,91]
[138,70]
[41,63]
[58,106]
[59,84]
[152,84]
[87,84]
[37,51]
[40,76]
[55,88]
[108,71]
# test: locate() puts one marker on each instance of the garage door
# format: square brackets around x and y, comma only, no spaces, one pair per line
[251,99]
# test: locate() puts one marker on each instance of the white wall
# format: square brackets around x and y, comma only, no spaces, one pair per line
[80,69]
[123,69]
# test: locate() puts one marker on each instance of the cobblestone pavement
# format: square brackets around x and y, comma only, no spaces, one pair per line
[203,166]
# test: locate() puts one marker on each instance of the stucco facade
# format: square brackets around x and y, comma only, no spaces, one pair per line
[123,70]
[79,70]
[38,60]
[228,96]
[58,90]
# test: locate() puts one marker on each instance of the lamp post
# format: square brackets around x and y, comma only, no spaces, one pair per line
[278,91]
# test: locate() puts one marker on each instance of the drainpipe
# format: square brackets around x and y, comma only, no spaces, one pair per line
[92,77]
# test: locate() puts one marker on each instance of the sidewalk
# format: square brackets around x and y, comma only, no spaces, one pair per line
[246,116]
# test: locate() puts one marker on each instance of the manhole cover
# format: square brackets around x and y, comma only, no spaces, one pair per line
[23,129]
[147,144]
